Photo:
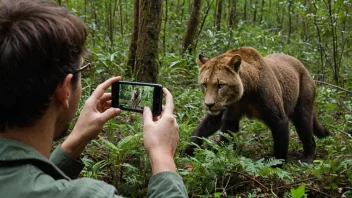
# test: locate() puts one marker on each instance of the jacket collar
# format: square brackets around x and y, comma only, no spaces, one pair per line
[15,150]
[14,153]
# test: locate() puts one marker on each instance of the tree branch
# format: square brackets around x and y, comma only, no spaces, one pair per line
[325,195]
[294,183]
[335,86]
[249,177]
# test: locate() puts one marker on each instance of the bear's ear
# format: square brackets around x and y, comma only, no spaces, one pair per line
[235,62]
[201,60]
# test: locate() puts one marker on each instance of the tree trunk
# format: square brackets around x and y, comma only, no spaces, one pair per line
[192,26]
[245,10]
[126,13]
[182,9]
[218,15]
[255,11]
[133,46]
[232,14]
[278,19]
[202,24]
[150,15]
[115,11]
[290,11]
[282,18]
[334,43]
[321,49]
[305,29]
[111,25]
[85,11]
[121,17]
[232,18]
[96,23]
[262,12]
[165,25]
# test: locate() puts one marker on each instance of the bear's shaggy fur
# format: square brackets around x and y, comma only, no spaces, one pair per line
[274,89]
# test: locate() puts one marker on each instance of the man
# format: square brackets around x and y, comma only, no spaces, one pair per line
[41,53]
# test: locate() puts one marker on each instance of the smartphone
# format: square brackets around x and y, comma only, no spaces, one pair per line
[134,96]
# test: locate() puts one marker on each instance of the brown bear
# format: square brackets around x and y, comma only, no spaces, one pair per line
[274,89]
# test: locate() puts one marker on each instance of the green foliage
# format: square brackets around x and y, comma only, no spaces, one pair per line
[93,169]
[299,192]
[118,157]
[221,165]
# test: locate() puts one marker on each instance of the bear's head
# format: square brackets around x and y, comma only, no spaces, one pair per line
[220,81]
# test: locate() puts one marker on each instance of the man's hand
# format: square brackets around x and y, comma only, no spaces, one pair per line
[95,113]
[161,136]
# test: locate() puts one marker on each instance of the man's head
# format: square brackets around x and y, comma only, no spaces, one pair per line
[41,43]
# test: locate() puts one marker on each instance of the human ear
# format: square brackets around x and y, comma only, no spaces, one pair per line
[63,92]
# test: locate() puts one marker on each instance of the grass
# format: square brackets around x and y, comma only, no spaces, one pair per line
[118,157]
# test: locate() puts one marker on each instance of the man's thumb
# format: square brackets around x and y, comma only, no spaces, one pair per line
[147,115]
[110,113]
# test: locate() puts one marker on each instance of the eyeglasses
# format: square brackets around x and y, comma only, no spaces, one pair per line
[82,68]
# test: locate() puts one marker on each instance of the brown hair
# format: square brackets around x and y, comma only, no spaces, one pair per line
[40,43]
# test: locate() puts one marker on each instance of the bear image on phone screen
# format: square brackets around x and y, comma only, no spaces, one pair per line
[136,98]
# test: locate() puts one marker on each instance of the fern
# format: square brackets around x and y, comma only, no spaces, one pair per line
[126,142]
[110,146]
[271,162]
[123,144]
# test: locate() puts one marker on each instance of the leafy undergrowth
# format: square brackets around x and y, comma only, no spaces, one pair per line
[118,157]
[219,170]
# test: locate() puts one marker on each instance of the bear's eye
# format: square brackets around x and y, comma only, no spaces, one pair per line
[204,85]
[220,86]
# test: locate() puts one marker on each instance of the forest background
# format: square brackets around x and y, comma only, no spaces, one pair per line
[157,41]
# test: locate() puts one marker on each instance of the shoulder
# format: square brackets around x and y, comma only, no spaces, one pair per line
[87,187]
[248,54]
[29,181]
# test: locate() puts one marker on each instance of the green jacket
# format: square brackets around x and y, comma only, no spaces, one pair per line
[24,172]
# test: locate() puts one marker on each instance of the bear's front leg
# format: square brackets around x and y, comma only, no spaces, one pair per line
[208,126]
[230,121]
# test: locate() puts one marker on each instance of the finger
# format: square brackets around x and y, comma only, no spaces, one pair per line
[147,115]
[100,90]
[110,113]
[157,118]
[162,111]
[169,105]
[105,97]
[106,105]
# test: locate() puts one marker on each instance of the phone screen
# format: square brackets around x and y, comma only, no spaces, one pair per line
[134,96]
